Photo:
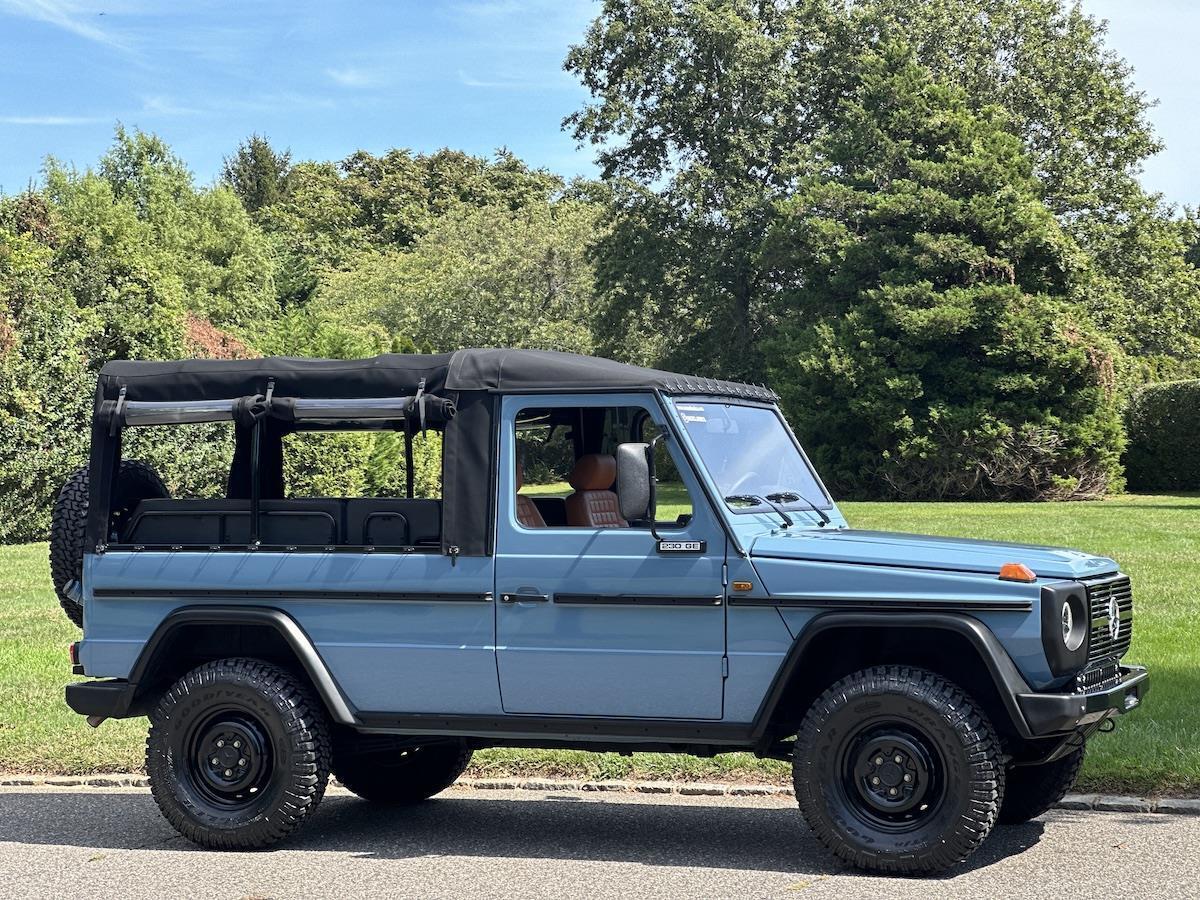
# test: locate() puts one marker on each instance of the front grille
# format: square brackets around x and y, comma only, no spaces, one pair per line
[1100,594]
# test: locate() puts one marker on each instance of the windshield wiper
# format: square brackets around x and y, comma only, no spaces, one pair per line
[795,497]
[756,500]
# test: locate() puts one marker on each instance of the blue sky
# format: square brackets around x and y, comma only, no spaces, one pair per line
[327,78]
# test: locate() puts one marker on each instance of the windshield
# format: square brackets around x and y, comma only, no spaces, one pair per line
[750,455]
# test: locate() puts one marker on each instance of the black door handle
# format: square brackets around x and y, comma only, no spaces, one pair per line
[524,598]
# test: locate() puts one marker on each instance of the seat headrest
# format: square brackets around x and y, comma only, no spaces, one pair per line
[594,472]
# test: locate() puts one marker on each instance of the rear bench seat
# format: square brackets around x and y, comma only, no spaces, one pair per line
[307,522]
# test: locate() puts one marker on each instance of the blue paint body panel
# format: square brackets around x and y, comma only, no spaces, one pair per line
[567,621]
[408,655]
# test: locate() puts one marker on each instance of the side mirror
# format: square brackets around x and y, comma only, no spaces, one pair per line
[635,482]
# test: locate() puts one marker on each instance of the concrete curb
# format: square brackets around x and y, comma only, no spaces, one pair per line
[1178,806]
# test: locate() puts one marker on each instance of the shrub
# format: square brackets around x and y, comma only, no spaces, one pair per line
[1163,422]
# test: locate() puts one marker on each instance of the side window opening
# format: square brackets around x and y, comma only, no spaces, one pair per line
[566,467]
[348,483]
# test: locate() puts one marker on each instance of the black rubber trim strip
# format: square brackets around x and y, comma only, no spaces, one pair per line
[633,600]
[257,594]
[120,698]
[897,605]
[878,565]
[274,548]
[656,730]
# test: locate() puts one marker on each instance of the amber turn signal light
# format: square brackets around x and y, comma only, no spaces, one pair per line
[1017,572]
[743,586]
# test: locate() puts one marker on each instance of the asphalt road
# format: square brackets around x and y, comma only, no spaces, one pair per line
[76,843]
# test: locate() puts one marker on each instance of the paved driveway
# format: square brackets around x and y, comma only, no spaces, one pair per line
[64,842]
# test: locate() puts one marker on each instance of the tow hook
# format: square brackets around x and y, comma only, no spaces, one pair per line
[95,721]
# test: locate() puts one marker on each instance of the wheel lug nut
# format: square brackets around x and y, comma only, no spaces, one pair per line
[899,759]
[241,762]
[216,762]
[892,792]
[879,760]
[220,743]
[228,773]
[908,778]
[237,744]
[875,780]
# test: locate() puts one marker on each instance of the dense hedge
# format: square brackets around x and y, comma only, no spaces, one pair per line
[1163,423]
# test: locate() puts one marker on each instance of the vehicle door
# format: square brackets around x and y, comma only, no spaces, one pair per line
[592,619]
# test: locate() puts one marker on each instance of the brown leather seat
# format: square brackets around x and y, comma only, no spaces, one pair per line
[593,505]
[527,511]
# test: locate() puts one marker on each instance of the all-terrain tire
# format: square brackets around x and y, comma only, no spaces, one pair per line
[1030,791]
[68,524]
[395,770]
[279,769]
[924,814]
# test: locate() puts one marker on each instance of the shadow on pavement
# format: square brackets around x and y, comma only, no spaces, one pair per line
[658,834]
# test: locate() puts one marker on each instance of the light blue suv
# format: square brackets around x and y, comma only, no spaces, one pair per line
[617,559]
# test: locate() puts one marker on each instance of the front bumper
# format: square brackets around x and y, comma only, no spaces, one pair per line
[1052,713]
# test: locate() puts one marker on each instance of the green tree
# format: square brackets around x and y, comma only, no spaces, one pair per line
[930,344]
[257,173]
[701,110]
[481,276]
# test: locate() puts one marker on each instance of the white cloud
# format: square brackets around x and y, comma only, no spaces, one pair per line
[67,15]
[349,76]
[503,82]
[50,120]
[165,106]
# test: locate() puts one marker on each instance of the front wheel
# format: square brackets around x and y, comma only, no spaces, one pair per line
[896,770]
[1030,791]
[395,770]
[238,754]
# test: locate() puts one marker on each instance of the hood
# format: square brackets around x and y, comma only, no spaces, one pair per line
[917,551]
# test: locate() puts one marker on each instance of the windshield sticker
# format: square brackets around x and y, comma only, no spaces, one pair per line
[689,407]
[688,418]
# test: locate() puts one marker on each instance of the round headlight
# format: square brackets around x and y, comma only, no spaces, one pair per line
[1072,617]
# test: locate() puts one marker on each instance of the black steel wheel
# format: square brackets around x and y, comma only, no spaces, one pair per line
[397,770]
[896,770]
[238,754]
[1030,791]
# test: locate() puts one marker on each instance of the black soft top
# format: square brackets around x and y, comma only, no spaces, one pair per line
[393,374]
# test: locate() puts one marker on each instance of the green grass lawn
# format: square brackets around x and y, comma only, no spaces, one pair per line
[1154,750]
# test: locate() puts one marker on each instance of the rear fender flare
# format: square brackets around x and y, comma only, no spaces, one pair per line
[340,709]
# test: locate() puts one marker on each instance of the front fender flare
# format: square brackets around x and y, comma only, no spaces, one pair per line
[1005,676]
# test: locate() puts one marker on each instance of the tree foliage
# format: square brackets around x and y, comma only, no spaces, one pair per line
[257,173]
[928,344]
[1164,431]
[701,110]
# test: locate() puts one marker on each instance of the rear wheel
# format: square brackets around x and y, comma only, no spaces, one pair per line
[1030,791]
[238,754]
[397,770]
[896,770]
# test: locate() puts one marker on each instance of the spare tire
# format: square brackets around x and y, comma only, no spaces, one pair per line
[68,524]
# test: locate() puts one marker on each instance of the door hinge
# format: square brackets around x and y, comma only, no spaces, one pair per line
[724,666]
